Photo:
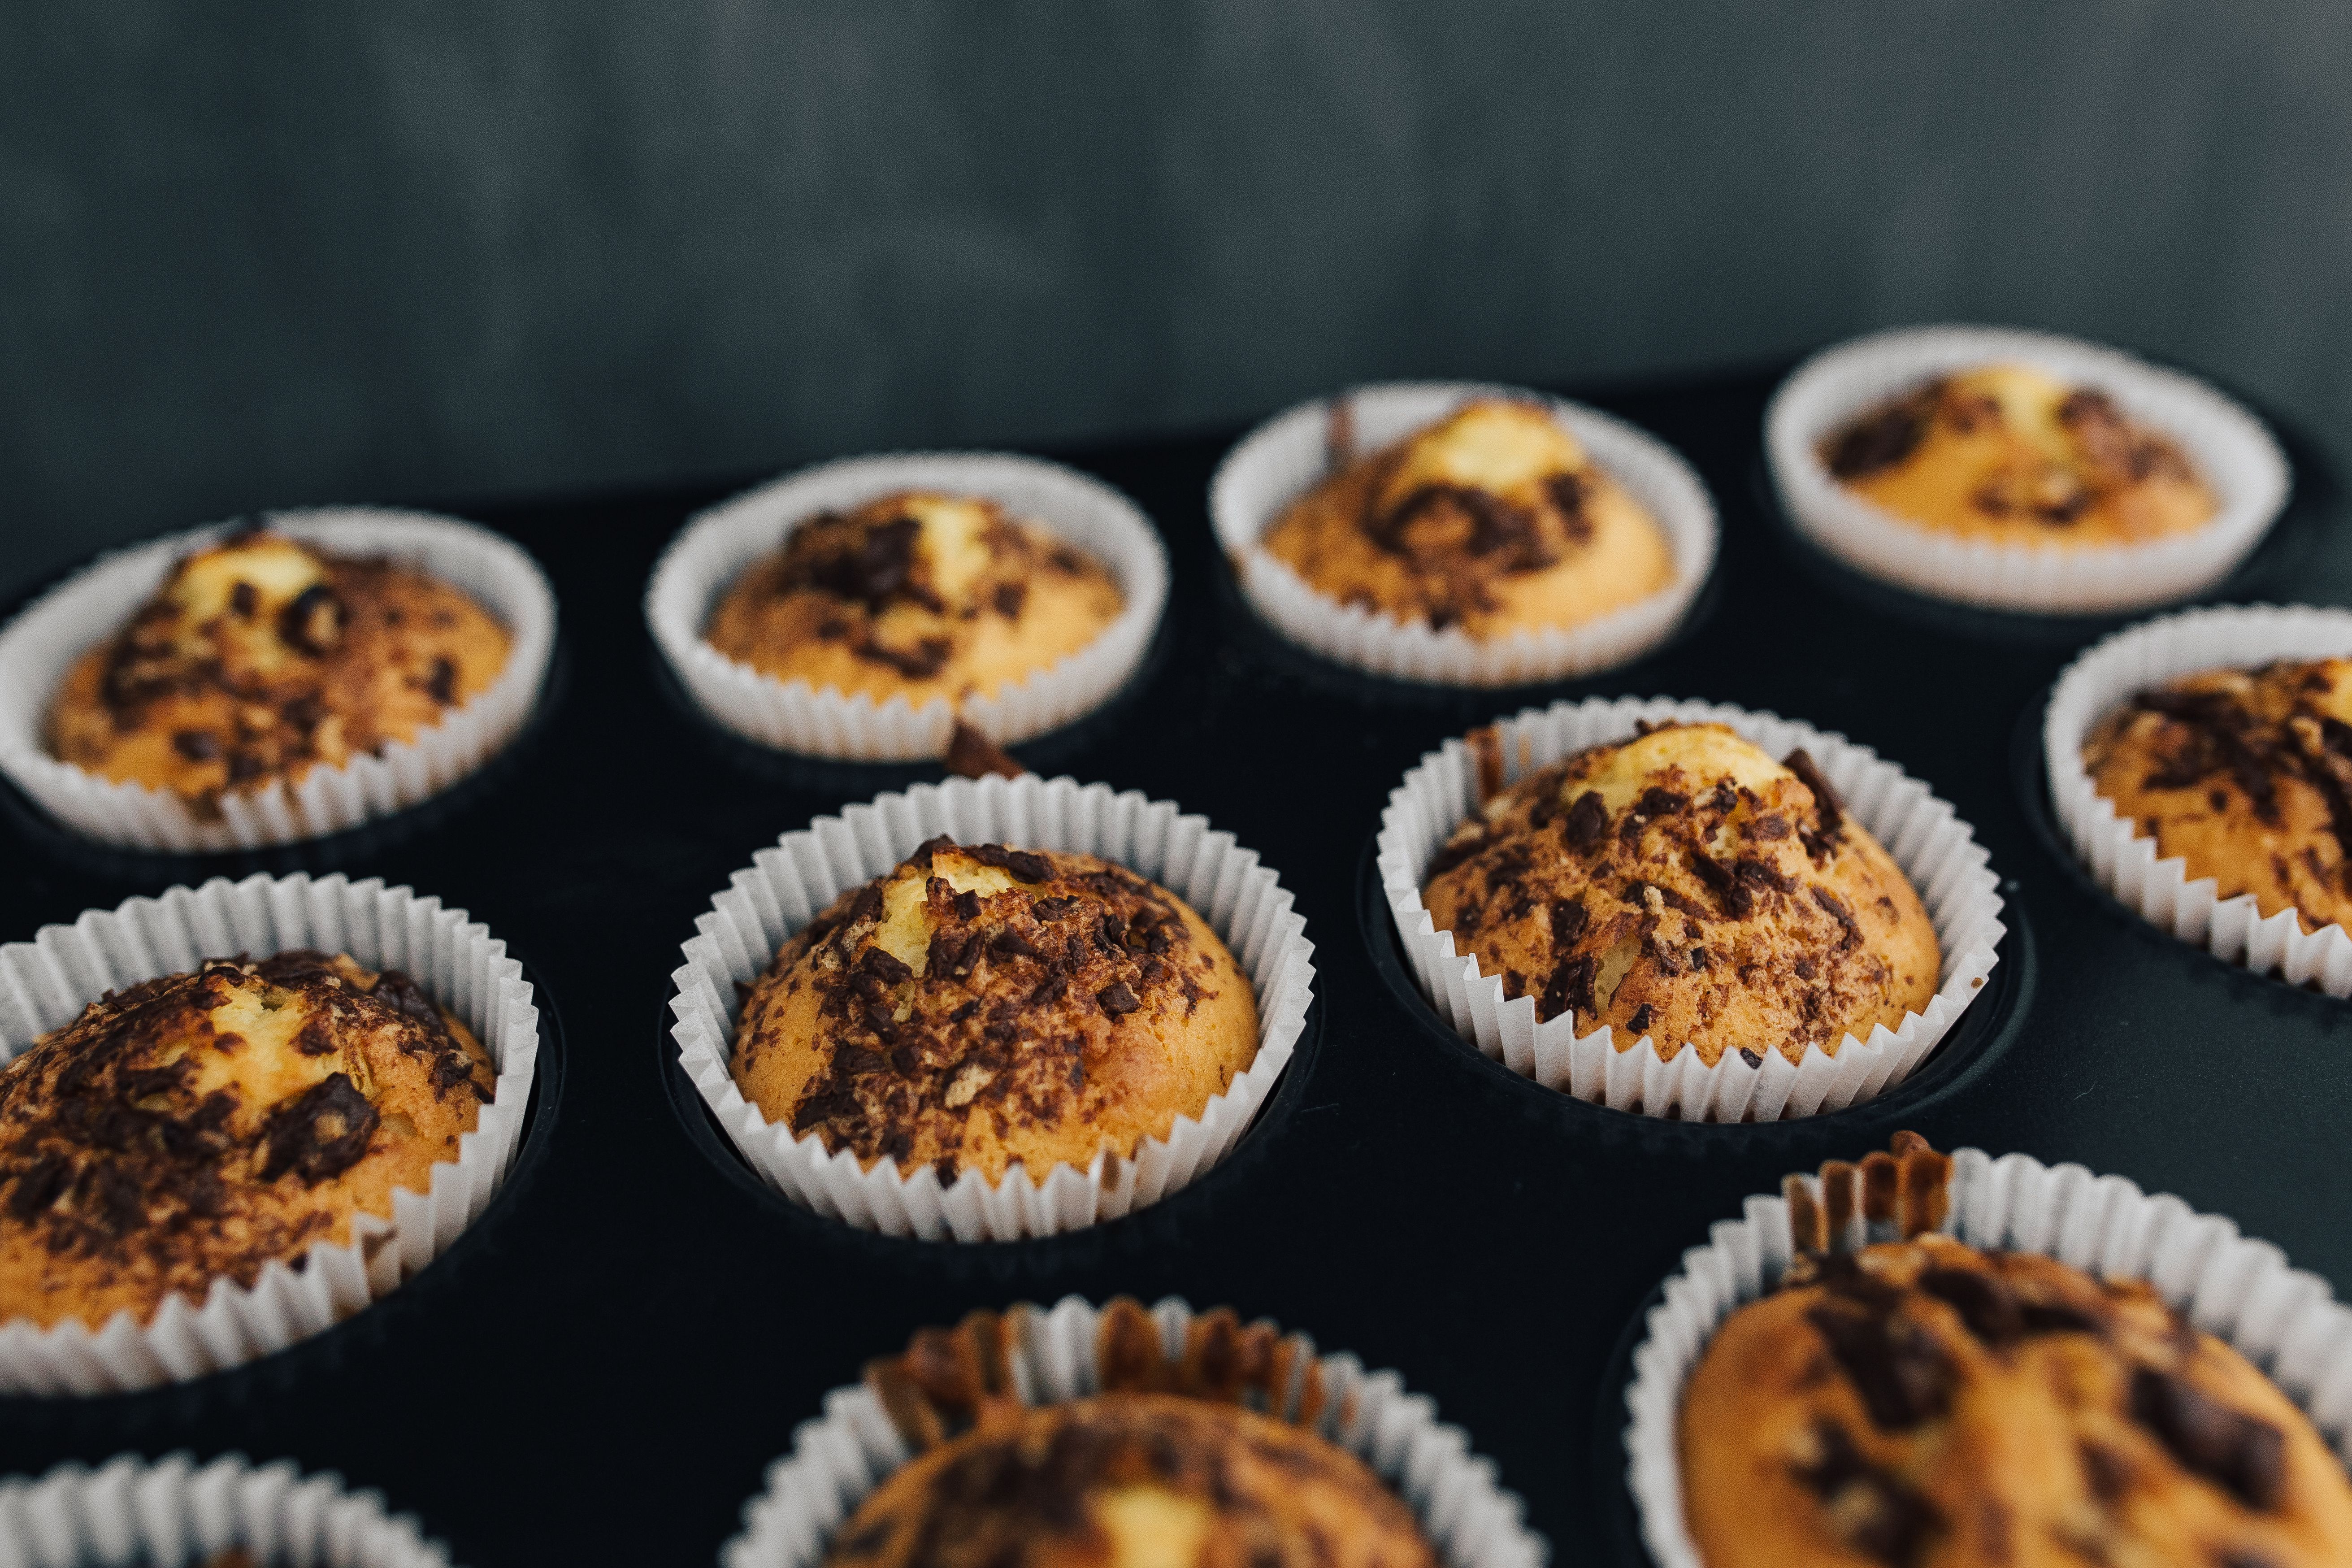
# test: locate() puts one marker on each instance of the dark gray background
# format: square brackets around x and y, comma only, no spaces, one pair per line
[274,254]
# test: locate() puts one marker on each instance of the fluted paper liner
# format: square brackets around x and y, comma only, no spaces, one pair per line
[1287,457]
[1054,1356]
[45,982]
[2286,1321]
[1936,849]
[716,546]
[40,645]
[177,1513]
[2228,446]
[786,886]
[2118,854]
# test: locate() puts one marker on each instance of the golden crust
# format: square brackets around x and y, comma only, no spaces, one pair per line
[261,658]
[1132,1480]
[916,595]
[2004,455]
[979,1006]
[199,1126]
[1684,886]
[1493,519]
[1929,1405]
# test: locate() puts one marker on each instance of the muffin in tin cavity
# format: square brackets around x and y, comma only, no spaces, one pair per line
[979,1007]
[1159,1438]
[1938,1362]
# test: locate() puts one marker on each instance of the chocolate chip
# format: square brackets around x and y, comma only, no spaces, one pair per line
[922,661]
[397,991]
[884,966]
[1831,810]
[1570,987]
[1050,990]
[2243,1454]
[1569,918]
[1568,492]
[2107,1473]
[972,755]
[40,1186]
[442,684]
[2057,1318]
[1881,1514]
[1023,865]
[950,953]
[1118,999]
[1054,909]
[312,622]
[1587,819]
[197,745]
[1985,1304]
[1897,1367]
[1659,801]
[922,858]
[1639,1021]
[967,906]
[319,1133]
[244,765]
[243,600]
[1884,436]
[1011,944]
[1009,598]
[1751,1055]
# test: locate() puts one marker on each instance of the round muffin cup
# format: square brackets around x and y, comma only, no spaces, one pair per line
[177,1513]
[786,886]
[838,1458]
[1285,457]
[2118,854]
[2229,447]
[718,545]
[2286,1321]
[1937,851]
[43,986]
[41,644]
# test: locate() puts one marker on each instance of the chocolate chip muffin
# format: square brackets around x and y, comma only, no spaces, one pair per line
[1162,1469]
[1683,886]
[2005,455]
[979,1006]
[916,595]
[1493,519]
[1923,1404]
[262,658]
[200,1126]
[2247,774]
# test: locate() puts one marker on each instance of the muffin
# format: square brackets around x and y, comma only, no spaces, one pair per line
[2006,455]
[201,1126]
[1682,884]
[1493,519]
[1924,1404]
[979,1005]
[261,657]
[2246,775]
[914,594]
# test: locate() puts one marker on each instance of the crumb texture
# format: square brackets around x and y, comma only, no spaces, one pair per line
[1686,887]
[1494,520]
[1923,1404]
[200,1126]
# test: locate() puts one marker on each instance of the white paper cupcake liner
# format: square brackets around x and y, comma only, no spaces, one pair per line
[177,1513]
[786,886]
[41,644]
[2237,456]
[841,1457]
[1936,849]
[2123,858]
[45,982]
[2240,1290]
[716,546]
[1283,459]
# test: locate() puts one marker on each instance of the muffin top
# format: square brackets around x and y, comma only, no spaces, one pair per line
[199,1126]
[2248,775]
[2005,455]
[261,657]
[981,1005]
[1684,886]
[1493,519]
[916,595]
[1923,1404]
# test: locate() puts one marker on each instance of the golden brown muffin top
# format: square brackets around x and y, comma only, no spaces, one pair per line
[2006,455]
[199,1126]
[1494,519]
[1924,1404]
[1683,885]
[979,1004]
[261,657]
[2245,773]
[915,594]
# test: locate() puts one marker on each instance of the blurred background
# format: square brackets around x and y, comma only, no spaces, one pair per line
[436,252]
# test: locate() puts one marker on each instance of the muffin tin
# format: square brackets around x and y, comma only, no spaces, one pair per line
[603,1366]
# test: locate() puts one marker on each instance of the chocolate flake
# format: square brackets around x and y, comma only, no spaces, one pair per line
[319,1133]
[1118,999]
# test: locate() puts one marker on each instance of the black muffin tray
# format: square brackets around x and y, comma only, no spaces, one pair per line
[603,1367]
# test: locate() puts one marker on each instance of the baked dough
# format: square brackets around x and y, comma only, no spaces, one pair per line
[2005,455]
[917,595]
[1493,519]
[1683,886]
[2247,774]
[1923,1404]
[261,658]
[981,1005]
[200,1126]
